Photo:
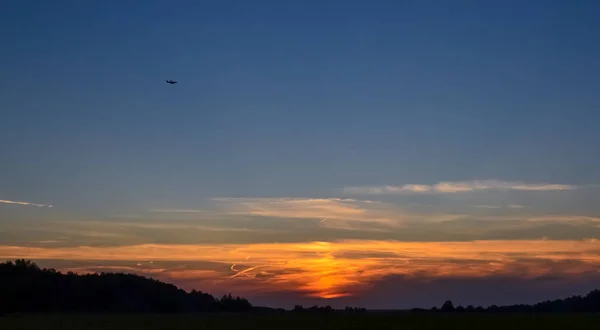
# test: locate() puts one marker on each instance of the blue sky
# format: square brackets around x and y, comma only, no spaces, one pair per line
[323,102]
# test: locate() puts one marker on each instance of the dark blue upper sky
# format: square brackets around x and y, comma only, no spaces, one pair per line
[291,98]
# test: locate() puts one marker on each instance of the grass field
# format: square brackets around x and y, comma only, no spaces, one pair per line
[373,321]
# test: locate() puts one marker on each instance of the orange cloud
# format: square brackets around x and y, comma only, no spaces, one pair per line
[331,269]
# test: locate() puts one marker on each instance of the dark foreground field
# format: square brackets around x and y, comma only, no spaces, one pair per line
[375,321]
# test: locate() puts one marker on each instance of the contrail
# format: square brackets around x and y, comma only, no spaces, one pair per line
[24,203]
[245,271]
[248,257]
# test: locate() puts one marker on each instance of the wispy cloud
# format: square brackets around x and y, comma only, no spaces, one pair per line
[446,187]
[294,207]
[563,219]
[124,216]
[176,211]
[331,209]
[3,201]
[510,206]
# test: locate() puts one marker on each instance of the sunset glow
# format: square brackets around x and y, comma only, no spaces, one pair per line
[331,269]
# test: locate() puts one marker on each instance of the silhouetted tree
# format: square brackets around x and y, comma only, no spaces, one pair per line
[314,309]
[349,309]
[448,306]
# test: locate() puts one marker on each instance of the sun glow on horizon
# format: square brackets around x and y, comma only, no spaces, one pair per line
[325,269]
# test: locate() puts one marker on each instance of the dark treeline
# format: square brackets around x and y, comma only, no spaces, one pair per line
[326,309]
[589,303]
[24,287]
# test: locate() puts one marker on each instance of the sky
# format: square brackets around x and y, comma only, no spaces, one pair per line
[382,154]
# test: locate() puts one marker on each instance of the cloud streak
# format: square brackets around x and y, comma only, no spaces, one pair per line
[510,206]
[450,187]
[3,201]
[335,210]
[176,211]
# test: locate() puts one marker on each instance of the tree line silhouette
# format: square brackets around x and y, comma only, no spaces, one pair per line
[25,287]
[589,303]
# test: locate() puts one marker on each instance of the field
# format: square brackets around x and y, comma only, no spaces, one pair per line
[374,321]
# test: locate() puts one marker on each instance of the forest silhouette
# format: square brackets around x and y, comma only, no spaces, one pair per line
[25,287]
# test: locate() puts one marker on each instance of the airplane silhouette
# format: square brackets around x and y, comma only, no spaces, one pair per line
[171,82]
